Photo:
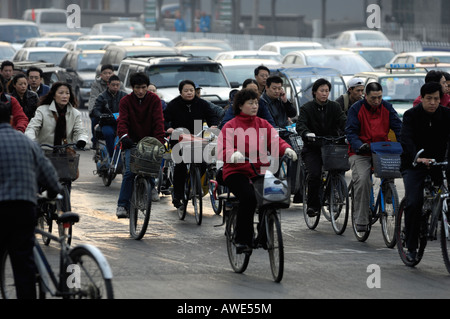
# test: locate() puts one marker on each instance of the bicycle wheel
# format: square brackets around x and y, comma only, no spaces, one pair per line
[197,195]
[388,217]
[91,280]
[311,222]
[216,204]
[7,286]
[401,237]
[187,195]
[338,203]
[360,235]
[141,205]
[63,205]
[45,221]
[445,237]
[239,262]
[275,244]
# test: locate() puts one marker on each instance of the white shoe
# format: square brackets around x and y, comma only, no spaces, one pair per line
[155,195]
[121,212]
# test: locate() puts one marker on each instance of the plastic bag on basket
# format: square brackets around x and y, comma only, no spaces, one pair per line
[270,189]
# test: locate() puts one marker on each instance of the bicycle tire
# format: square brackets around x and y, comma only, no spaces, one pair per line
[141,205]
[339,204]
[197,200]
[186,196]
[445,237]
[239,262]
[401,238]
[387,219]
[45,222]
[311,222]
[359,235]
[275,246]
[216,204]
[64,205]
[92,281]
[7,286]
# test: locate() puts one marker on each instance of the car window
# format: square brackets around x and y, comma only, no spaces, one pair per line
[401,88]
[88,62]
[346,64]
[53,17]
[18,33]
[51,57]
[302,87]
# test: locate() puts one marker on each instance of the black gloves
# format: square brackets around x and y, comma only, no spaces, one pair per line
[363,149]
[127,143]
[81,144]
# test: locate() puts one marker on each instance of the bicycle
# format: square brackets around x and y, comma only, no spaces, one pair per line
[267,234]
[164,183]
[434,209]
[145,164]
[66,165]
[386,204]
[334,195]
[83,270]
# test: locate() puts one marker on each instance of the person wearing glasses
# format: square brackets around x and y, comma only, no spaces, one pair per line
[368,120]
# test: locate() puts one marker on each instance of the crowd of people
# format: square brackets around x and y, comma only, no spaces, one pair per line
[49,115]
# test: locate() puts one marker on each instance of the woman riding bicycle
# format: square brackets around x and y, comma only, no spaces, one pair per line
[319,117]
[245,136]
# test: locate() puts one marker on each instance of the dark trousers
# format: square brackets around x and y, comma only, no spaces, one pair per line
[313,162]
[241,187]
[179,178]
[17,237]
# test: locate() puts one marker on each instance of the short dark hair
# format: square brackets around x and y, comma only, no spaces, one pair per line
[113,78]
[446,75]
[433,76]
[106,67]
[6,63]
[241,97]
[318,84]
[430,88]
[274,79]
[247,82]
[183,83]
[373,87]
[5,112]
[35,69]
[261,67]
[139,78]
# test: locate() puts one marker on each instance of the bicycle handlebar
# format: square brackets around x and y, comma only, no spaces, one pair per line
[432,161]
[58,147]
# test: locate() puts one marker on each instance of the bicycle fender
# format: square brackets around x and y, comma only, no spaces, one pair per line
[103,263]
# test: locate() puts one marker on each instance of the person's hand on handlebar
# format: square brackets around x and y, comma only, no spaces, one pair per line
[426,161]
[311,137]
[291,154]
[127,143]
[363,149]
[237,157]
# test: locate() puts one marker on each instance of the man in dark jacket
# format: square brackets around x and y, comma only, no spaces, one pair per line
[426,127]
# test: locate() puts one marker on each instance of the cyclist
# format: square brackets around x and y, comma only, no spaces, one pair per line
[354,94]
[369,120]
[319,117]
[28,99]
[23,167]
[19,120]
[107,103]
[425,126]
[183,112]
[140,116]
[237,174]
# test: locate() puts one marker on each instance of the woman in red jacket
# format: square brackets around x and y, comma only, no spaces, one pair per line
[247,136]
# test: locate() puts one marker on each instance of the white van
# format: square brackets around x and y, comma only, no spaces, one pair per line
[47,19]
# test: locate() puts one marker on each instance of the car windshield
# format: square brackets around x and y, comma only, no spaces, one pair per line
[303,87]
[204,75]
[369,36]
[398,88]
[53,17]
[90,46]
[239,73]
[18,33]
[50,43]
[277,58]
[346,64]
[88,62]
[287,50]
[377,59]
[46,56]
[6,53]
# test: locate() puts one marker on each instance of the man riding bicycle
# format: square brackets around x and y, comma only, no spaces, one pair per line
[369,120]
[425,126]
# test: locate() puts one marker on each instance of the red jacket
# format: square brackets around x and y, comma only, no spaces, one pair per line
[141,118]
[253,137]
[20,120]
[445,101]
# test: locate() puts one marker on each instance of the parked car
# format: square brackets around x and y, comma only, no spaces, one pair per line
[17,32]
[112,29]
[6,51]
[47,19]
[79,70]
[168,72]
[284,47]
[205,42]
[347,63]
[239,70]
[51,55]
[249,54]
[85,45]
[46,42]
[362,38]
[209,52]
[377,57]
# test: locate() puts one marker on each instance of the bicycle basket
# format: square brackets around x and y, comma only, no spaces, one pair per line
[66,164]
[146,158]
[272,190]
[386,159]
[192,148]
[335,157]
[296,142]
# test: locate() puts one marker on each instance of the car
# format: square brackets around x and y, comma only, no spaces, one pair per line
[47,19]
[112,29]
[166,41]
[45,42]
[51,55]
[417,56]
[298,82]
[102,37]
[348,63]
[249,54]
[204,51]
[50,71]
[376,56]
[239,70]
[73,36]
[134,26]
[362,38]
[115,54]
[430,63]
[129,43]
[284,47]
[86,45]
[204,42]
[79,70]
[6,51]
[167,72]
[401,84]
[17,32]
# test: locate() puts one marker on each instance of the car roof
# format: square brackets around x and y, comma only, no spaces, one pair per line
[292,43]
[232,62]
[49,39]
[251,52]
[41,49]
[170,60]
[323,52]
[16,21]
[87,51]
[367,49]
[307,70]
[423,53]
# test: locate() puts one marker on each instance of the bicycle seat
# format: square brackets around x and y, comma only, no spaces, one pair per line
[69,217]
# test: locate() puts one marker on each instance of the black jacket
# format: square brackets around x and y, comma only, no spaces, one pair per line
[106,103]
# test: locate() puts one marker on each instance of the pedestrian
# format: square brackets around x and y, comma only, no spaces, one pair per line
[140,115]
[319,117]
[261,74]
[205,22]
[27,99]
[180,25]
[369,120]
[426,127]
[354,94]
[6,73]
[36,83]
[436,76]
[23,170]
[19,119]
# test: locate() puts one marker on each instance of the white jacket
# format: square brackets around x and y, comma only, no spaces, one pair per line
[42,126]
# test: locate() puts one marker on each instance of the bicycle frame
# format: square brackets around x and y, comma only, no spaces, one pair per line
[379,202]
